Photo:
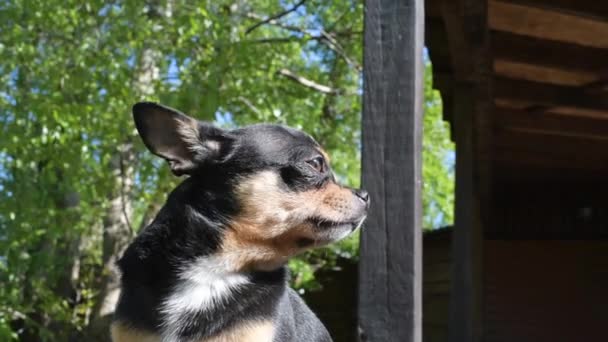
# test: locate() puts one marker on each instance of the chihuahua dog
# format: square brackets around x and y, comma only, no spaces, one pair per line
[211,266]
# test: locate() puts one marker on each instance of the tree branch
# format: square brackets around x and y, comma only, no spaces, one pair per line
[307,83]
[277,23]
[275,17]
[305,37]
[325,38]
[333,44]
[251,106]
[123,176]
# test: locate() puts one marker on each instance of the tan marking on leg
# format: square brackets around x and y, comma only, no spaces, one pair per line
[121,333]
[246,332]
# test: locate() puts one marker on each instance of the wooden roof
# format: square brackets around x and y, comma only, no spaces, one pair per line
[549,82]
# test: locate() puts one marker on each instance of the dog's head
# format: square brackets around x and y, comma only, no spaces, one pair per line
[280,180]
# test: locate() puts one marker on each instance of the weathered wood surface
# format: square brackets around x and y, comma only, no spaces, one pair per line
[538,290]
[539,73]
[467,31]
[592,9]
[545,24]
[465,321]
[390,303]
[436,289]
[549,123]
[548,53]
[549,95]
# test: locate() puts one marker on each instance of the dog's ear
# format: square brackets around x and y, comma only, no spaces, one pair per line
[183,141]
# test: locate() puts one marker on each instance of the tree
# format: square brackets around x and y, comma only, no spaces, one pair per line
[438,160]
[71,167]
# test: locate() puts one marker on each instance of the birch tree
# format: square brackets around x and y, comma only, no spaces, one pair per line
[75,183]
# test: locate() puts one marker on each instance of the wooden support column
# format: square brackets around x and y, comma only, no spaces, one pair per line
[469,39]
[465,320]
[390,271]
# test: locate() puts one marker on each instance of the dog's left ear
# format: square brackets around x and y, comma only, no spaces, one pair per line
[184,142]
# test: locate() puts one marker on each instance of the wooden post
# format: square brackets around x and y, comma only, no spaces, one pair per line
[469,39]
[466,282]
[390,271]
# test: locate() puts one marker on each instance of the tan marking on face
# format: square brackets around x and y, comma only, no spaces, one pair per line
[244,251]
[325,155]
[122,333]
[272,220]
[250,331]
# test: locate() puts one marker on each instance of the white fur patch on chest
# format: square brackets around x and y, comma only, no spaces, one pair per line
[204,286]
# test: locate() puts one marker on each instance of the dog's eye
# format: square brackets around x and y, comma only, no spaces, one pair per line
[317,163]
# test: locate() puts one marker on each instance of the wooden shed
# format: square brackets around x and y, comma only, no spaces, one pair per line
[525,87]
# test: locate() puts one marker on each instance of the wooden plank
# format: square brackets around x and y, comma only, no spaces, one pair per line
[542,142]
[540,290]
[390,273]
[548,95]
[548,53]
[513,171]
[545,24]
[581,112]
[531,72]
[549,159]
[512,104]
[552,124]
[592,9]
[567,111]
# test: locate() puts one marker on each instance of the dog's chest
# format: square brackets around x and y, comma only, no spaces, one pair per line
[204,288]
[253,331]
[208,295]
[201,288]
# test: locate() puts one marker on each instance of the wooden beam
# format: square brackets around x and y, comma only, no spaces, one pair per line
[542,142]
[432,9]
[548,53]
[531,72]
[567,111]
[390,267]
[581,112]
[546,24]
[551,124]
[548,95]
[437,42]
[514,171]
[592,9]
[548,159]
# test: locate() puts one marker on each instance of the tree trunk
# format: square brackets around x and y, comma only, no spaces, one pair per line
[117,228]
[117,234]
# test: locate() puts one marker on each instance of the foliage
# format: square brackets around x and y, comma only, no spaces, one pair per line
[68,74]
[438,160]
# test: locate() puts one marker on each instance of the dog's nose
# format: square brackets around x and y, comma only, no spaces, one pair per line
[363,195]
